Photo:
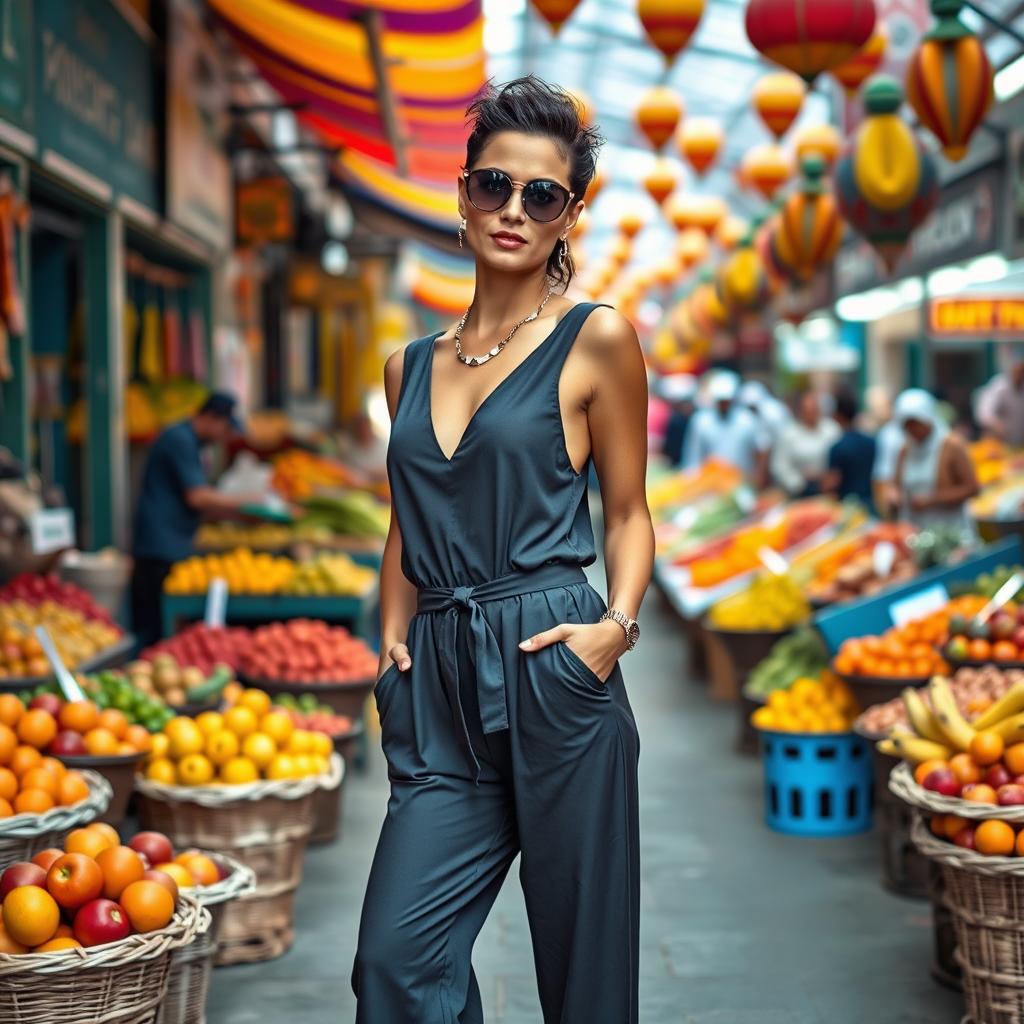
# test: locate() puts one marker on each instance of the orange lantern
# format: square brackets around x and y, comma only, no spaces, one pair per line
[809,228]
[731,231]
[620,252]
[691,249]
[583,104]
[690,211]
[658,114]
[700,140]
[595,186]
[820,140]
[767,168]
[950,80]
[778,98]
[666,273]
[669,24]
[852,73]
[661,181]
[555,12]
[631,223]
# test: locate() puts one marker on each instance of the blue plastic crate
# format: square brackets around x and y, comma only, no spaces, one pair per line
[817,784]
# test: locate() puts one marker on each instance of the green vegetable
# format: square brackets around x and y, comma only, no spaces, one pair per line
[308,702]
[800,654]
[211,687]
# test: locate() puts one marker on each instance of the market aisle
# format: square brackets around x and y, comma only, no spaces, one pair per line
[740,926]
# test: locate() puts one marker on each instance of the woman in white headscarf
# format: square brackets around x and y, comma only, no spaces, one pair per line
[934,472]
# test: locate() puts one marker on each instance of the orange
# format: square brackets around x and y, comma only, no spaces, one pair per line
[139,737]
[55,945]
[79,715]
[8,945]
[209,722]
[100,742]
[979,793]
[1013,758]
[125,749]
[120,866]
[31,915]
[221,746]
[33,801]
[199,866]
[107,831]
[161,769]
[149,905]
[37,728]
[279,726]
[954,824]
[965,769]
[40,778]
[87,841]
[73,788]
[11,709]
[1020,843]
[8,784]
[256,700]
[925,768]
[993,837]
[25,758]
[979,650]
[54,767]
[259,748]
[179,873]
[239,771]
[184,738]
[241,721]
[6,810]
[195,770]
[114,721]
[64,931]
[8,743]
[987,747]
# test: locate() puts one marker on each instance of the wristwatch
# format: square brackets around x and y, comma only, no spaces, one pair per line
[631,626]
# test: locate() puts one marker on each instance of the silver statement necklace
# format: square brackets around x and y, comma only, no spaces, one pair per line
[480,360]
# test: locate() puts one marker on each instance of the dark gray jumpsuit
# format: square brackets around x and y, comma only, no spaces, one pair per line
[493,751]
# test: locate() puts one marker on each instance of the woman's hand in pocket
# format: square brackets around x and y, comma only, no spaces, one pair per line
[398,655]
[599,646]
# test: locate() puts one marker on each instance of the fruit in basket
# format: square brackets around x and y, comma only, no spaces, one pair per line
[44,859]
[242,570]
[148,905]
[979,793]
[74,880]
[1010,795]
[154,846]
[75,636]
[101,921]
[986,747]
[22,873]
[197,646]
[179,873]
[770,603]
[995,838]
[121,866]
[30,915]
[201,867]
[942,781]
[308,651]
[821,705]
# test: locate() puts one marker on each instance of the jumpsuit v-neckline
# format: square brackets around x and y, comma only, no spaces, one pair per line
[493,751]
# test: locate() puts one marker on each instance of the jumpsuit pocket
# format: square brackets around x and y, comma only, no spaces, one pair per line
[581,669]
[383,687]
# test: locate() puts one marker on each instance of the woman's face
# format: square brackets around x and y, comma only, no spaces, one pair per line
[809,411]
[917,430]
[507,240]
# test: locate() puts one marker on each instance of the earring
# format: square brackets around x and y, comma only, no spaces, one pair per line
[563,254]
[462,232]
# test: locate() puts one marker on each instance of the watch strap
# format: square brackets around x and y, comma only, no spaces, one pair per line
[630,626]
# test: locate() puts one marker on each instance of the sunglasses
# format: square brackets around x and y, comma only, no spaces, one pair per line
[489,189]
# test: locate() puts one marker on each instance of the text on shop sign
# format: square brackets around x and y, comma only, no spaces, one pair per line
[981,316]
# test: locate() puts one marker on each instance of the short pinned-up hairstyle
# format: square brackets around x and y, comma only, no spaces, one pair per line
[533,107]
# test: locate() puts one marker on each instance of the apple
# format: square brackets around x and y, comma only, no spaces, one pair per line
[101,921]
[68,743]
[1018,636]
[943,781]
[957,648]
[1003,626]
[164,879]
[965,838]
[1010,795]
[154,846]
[21,873]
[45,858]
[47,702]
[997,776]
[1018,780]
[222,869]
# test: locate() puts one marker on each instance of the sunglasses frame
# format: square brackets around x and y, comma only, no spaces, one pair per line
[522,187]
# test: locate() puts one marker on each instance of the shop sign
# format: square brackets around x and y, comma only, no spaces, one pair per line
[96,103]
[965,223]
[198,170]
[264,211]
[976,317]
[16,63]
[1015,196]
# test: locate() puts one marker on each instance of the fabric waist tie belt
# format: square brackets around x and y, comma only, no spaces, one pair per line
[483,646]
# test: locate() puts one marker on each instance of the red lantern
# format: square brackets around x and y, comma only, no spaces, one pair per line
[950,81]
[809,36]
[661,181]
[809,228]
[820,140]
[700,139]
[658,114]
[778,98]
[767,168]
[669,24]
[556,12]
[852,73]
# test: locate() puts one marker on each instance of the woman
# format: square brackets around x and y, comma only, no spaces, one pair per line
[934,473]
[800,458]
[504,718]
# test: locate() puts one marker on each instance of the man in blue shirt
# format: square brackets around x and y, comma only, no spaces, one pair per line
[851,459]
[175,494]
[679,391]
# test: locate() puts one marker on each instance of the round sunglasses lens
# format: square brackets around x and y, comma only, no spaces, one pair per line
[488,190]
[544,200]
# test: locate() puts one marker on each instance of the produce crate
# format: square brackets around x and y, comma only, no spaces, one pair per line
[119,771]
[114,655]
[121,982]
[742,650]
[945,969]
[343,698]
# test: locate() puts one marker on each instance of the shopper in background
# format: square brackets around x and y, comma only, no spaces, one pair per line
[680,392]
[934,472]
[889,442]
[773,415]
[726,431]
[800,456]
[362,449]
[175,495]
[851,460]
[999,406]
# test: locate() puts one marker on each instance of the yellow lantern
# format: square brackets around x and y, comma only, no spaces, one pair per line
[809,228]
[666,272]
[700,140]
[731,231]
[818,140]
[743,284]
[692,248]
[767,168]
[669,24]
[778,98]
[693,211]
[658,114]
[661,180]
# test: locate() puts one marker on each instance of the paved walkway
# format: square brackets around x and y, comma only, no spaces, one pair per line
[740,926]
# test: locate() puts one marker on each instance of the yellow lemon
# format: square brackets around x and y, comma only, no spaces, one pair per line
[238,771]
[161,769]
[221,747]
[241,720]
[763,718]
[282,767]
[159,746]
[256,700]
[778,700]
[210,722]
[301,742]
[185,738]
[260,749]
[279,726]
[322,745]
[195,770]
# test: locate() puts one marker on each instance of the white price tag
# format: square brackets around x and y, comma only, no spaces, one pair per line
[745,498]
[51,529]
[919,605]
[216,603]
[884,557]
[773,561]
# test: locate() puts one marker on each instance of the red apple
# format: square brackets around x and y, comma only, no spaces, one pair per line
[45,858]
[19,874]
[68,743]
[47,702]
[1003,626]
[154,846]
[965,838]
[1010,795]
[74,880]
[1018,636]
[164,879]
[997,776]
[101,921]
[1018,780]
[943,781]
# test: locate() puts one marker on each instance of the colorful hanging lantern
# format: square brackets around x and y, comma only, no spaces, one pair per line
[819,140]
[583,104]
[853,73]
[767,168]
[764,243]
[669,24]
[621,250]
[666,273]
[950,80]
[731,231]
[690,211]
[661,181]
[809,36]
[808,228]
[691,249]
[706,306]
[595,186]
[658,114]
[700,140]
[742,284]
[778,98]
[886,181]
[631,223]
[555,12]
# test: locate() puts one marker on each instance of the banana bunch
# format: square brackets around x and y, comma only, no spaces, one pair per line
[940,731]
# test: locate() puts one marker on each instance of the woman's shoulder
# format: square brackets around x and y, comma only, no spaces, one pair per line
[605,331]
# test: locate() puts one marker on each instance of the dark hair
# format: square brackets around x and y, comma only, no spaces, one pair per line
[846,406]
[533,107]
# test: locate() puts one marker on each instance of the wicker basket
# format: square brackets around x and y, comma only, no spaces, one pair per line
[24,835]
[327,805]
[188,981]
[902,784]
[266,826]
[119,771]
[118,983]
[342,698]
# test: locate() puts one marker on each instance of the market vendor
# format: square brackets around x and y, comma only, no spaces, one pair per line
[999,406]
[728,432]
[934,473]
[799,457]
[175,494]
[773,415]
[679,390]
[851,459]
